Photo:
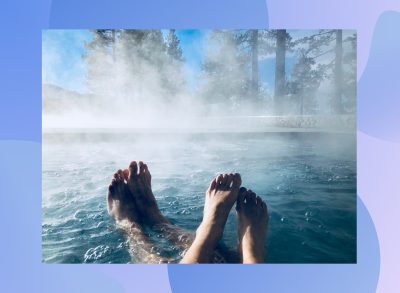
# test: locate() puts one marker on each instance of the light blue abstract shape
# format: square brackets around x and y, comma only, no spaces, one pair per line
[20,70]
[21,262]
[379,86]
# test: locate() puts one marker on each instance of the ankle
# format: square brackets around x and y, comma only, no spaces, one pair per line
[252,259]
[253,252]
[209,233]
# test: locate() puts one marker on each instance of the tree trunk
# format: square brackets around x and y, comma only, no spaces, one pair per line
[113,41]
[337,102]
[254,64]
[280,71]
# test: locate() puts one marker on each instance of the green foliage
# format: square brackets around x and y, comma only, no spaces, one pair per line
[224,81]
[306,78]
[229,78]
[350,75]
[131,60]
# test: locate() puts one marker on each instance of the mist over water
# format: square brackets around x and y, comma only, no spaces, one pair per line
[142,79]
[308,183]
[140,104]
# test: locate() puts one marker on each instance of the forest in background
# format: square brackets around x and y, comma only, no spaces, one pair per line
[144,70]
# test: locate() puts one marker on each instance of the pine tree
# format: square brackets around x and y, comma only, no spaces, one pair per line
[350,75]
[331,42]
[99,58]
[224,79]
[338,73]
[306,78]
[283,43]
[173,46]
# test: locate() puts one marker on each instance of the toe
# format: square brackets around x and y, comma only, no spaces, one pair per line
[146,169]
[264,206]
[133,168]
[241,197]
[258,200]
[251,196]
[224,179]
[120,177]
[125,174]
[111,188]
[246,196]
[141,168]
[236,181]
[213,184]
[147,172]
[229,179]
[242,190]
[110,199]
[219,180]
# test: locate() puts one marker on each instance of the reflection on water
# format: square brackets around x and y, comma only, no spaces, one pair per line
[308,181]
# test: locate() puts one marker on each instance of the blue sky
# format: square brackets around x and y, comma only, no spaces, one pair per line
[192,43]
[62,52]
[62,62]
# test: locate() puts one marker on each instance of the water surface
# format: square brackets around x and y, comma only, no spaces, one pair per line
[307,179]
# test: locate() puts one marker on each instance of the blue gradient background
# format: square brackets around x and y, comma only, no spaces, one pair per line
[377,23]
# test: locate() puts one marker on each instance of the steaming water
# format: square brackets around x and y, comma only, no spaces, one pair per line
[308,181]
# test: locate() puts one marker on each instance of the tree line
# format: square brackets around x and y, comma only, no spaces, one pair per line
[230,69]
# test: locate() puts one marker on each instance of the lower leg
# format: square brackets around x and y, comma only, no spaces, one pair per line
[219,199]
[252,214]
[121,206]
[138,180]
[141,248]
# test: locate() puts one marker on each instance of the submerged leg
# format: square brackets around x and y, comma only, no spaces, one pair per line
[138,184]
[138,179]
[121,206]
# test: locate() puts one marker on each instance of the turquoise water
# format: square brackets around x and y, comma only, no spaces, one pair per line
[308,181]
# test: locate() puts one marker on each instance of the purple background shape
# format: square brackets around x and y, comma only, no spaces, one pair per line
[20,141]
[360,277]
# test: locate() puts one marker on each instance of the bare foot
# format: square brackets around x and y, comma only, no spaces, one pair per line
[121,206]
[120,203]
[138,180]
[252,214]
[220,197]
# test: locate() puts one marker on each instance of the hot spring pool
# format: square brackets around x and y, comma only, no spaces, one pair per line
[307,179]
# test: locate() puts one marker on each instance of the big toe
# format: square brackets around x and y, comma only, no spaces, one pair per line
[241,198]
[146,172]
[236,181]
[251,197]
